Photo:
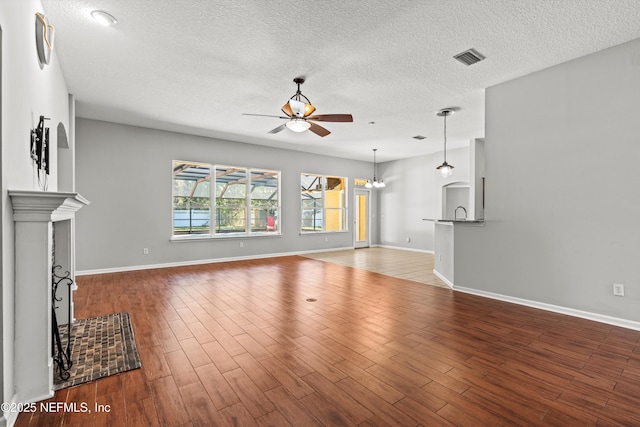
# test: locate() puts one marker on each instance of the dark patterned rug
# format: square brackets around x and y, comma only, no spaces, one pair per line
[100,346]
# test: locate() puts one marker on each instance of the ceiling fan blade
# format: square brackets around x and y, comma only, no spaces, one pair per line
[318,130]
[332,118]
[278,129]
[265,115]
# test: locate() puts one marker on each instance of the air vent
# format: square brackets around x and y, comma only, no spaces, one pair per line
[469,57]
[419,137]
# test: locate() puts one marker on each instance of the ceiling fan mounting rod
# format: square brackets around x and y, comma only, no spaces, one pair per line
[298,94]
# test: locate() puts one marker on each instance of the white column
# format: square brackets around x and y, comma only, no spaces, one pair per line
[33,361]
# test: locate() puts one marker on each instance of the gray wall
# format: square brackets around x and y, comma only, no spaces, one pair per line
[562,203]
[125,172]
[413,192]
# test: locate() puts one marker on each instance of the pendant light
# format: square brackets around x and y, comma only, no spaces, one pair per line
[375,183]
[445,168]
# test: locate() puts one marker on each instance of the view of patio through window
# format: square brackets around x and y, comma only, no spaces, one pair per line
[231,204]
[243,202]
[323,203]
[191,198]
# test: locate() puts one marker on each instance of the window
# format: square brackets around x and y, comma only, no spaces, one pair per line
[231,203]
[191,198]
[264,200]
[322,203]
[215,200]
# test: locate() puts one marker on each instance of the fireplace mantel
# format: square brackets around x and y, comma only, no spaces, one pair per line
[35,215]
[41,206]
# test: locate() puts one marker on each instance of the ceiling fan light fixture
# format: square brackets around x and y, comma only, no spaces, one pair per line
[298,105]
[298,125]
[299,111]
[308,109]
[104,18]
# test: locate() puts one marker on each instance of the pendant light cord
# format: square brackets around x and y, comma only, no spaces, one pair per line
[374,164]
[445,138]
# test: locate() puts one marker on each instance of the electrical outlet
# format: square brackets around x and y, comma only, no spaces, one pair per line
[408,239]
[145,251]
[242,244]
[618,289]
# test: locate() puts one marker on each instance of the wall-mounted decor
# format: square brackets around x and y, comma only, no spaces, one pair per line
[40,152]
[44,38]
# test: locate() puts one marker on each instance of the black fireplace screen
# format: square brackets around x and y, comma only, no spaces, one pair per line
[61,351]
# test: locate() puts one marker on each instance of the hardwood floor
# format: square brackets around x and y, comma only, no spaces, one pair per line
[240,344]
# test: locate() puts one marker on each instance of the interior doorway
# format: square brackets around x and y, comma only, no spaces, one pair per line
[362,219]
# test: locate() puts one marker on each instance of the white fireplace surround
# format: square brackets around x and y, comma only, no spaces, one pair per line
[36,214]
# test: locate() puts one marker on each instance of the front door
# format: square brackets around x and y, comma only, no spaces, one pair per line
[361,219]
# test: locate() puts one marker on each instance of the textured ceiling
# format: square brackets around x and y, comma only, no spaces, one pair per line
[195,66]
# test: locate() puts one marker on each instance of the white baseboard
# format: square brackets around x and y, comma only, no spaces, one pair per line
[202,261]
[444,279]
[402,248]
[623,323]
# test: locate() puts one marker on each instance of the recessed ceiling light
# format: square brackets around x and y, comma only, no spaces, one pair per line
[103,18]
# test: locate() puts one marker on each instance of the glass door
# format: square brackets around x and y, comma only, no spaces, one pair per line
[361,219]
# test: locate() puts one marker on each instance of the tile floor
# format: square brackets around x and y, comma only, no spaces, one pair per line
[409,265]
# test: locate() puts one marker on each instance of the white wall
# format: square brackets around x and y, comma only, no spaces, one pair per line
[28,91]
[562,149]
[125,172]
[413,192]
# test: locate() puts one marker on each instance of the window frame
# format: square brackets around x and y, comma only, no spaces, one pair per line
[189,235]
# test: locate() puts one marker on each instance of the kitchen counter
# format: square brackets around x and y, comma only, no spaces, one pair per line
[456,221]
[443,245]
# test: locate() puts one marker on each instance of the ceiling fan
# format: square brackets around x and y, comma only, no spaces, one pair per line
[298,112]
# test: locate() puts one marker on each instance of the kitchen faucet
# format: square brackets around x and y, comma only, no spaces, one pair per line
[455,213]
